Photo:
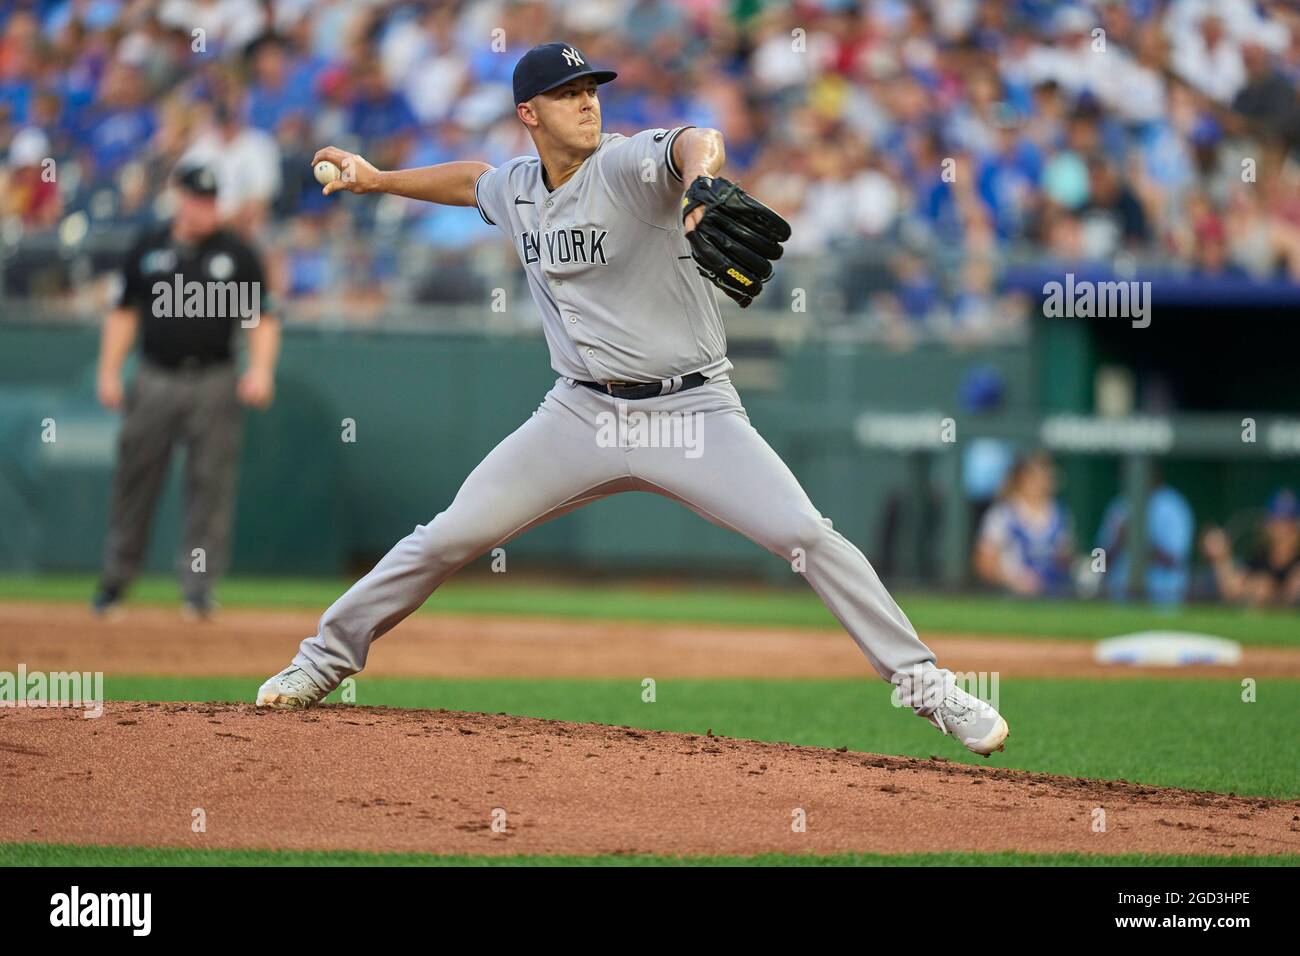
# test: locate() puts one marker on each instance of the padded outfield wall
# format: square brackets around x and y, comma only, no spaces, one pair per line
[428,406]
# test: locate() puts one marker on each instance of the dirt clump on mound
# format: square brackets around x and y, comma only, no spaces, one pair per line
[365,778]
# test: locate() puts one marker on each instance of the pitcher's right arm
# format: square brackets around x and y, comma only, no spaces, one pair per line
[450,184]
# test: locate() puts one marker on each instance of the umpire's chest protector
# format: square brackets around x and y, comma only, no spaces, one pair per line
[608,263]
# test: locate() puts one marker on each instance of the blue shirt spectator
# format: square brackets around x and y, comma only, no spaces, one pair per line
[15,99]
[1025,543]
[1169,529]
[379,117]
[1008,182]
[116,136]
[1028,545]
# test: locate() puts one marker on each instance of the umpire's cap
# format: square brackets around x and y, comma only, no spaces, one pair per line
[196,178]
[549,65]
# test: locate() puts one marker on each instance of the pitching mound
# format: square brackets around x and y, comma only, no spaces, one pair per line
[436,781]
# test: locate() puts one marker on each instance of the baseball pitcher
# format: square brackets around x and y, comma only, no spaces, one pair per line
[623,240]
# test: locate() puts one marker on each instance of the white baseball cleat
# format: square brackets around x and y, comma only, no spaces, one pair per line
[290,689]
[979,727]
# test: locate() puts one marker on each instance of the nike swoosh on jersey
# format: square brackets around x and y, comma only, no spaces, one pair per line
[521,201]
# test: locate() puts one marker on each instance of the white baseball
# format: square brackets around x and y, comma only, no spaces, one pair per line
[326,172]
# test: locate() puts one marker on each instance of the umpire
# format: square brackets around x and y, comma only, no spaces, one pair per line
[188,284]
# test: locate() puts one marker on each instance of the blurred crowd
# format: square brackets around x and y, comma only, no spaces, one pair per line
[1026,545]
[917,147]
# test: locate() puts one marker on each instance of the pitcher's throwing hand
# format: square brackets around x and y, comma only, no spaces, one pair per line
[356,175]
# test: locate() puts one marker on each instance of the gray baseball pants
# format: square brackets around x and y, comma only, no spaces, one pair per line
[581,445]
[165,408]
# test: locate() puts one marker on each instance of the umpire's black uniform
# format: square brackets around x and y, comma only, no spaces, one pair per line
[184,393]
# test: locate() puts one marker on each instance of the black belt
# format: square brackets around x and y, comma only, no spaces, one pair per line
[668,386]
[189,363]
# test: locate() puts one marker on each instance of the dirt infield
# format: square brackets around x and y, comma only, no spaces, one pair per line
[366,778]
[435,781]
[257,643]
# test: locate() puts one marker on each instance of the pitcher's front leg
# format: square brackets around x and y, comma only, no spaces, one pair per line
[549,465]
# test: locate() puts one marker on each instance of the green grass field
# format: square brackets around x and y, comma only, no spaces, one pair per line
[1192,733]
[751,607]
[55,854]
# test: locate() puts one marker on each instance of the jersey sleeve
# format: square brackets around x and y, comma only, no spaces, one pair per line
[132,293]
[993,529]
[251,270]
[641,175]
[488,195]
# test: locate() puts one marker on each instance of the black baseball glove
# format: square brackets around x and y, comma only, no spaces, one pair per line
[736,240]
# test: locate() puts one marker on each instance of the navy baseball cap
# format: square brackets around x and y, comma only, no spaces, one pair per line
[196,178]
[549,65]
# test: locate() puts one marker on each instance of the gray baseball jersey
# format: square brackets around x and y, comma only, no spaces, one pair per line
[611,271]
[608,263]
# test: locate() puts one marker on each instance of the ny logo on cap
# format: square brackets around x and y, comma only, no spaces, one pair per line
[571,57]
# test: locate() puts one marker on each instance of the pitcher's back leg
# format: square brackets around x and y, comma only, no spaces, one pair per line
[739,482]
